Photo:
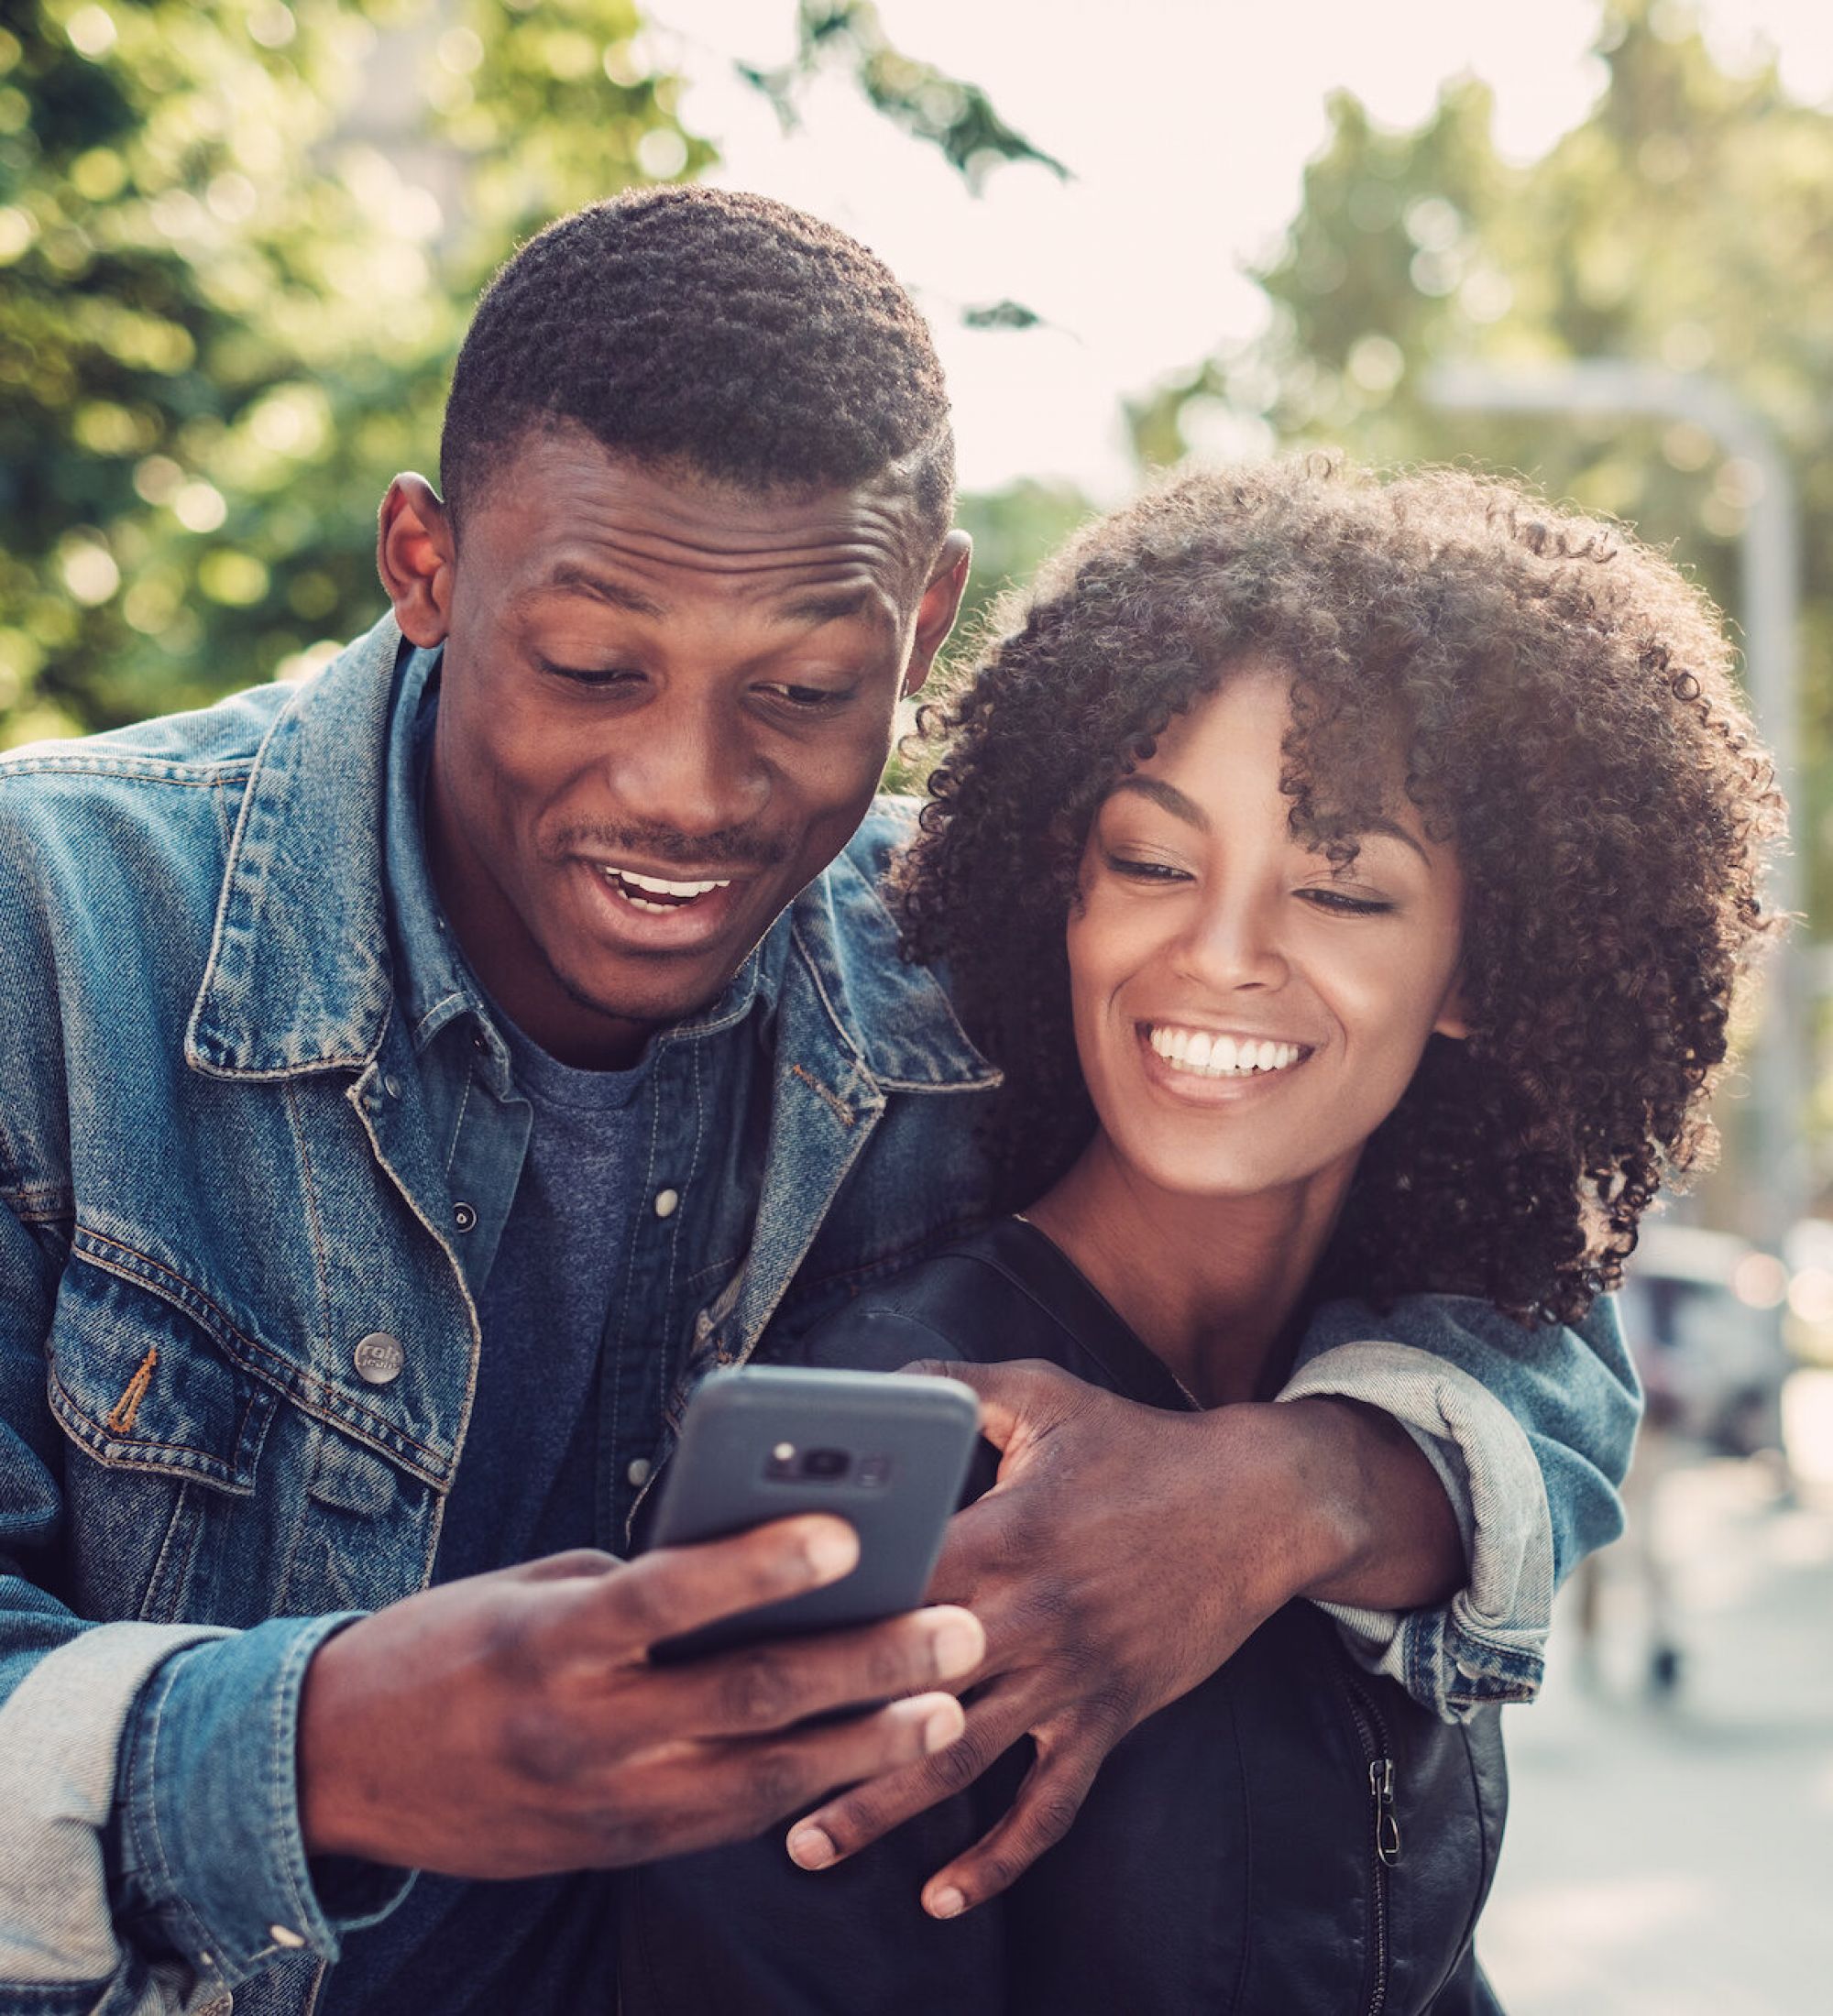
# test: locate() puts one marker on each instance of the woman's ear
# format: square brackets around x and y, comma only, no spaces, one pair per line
[1454,1014]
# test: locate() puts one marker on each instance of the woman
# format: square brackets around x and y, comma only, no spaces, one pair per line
[1352,880]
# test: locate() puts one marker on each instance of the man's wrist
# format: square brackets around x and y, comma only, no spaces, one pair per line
[329,1822]
[1379,1530]
[1305,1458]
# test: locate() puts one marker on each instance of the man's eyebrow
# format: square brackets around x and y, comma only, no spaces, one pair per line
[1169,798]
[569,575]
[819,606]
[829,606]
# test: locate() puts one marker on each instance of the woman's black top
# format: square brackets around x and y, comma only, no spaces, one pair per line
[1239,1851]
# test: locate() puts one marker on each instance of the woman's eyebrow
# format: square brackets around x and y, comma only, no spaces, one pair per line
[1172,800]
[1377,828]
[1168,796]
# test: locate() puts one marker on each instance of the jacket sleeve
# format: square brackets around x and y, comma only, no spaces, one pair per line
[85,1707]
[1530,1429]
[65,1693]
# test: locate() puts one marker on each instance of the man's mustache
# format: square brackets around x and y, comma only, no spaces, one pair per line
[731,847]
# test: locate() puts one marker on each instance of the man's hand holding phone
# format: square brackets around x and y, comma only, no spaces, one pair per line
[511,1723]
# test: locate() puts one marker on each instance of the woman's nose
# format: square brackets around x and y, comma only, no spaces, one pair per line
[1234,942]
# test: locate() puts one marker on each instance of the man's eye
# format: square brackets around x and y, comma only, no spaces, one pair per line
[587,675]
[806,699]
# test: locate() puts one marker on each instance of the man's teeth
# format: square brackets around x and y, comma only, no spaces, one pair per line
[634,888]
[1208,1055]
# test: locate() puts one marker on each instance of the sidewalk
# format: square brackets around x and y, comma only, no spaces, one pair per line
[1678,1860]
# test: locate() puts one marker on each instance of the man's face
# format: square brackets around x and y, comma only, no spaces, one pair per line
[664,708]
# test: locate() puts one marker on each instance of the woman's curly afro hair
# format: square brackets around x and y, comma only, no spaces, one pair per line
[1559,704]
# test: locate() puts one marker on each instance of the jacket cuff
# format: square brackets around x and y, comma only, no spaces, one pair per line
[59,1733]
[210,1839]
[1488,1642]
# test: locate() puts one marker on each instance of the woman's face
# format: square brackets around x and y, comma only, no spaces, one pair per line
[1245,1015]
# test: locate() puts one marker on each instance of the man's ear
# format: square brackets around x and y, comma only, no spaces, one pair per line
[937,611]
[416,555]
[1454,1014]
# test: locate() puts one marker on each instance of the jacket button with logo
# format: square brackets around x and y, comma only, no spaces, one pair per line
[378,1358]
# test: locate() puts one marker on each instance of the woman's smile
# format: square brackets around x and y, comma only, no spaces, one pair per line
[1212,1054]
[1248,1010]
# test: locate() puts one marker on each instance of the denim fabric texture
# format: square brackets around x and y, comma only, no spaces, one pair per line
[222,1173]
[219,1177]
[1530,1453]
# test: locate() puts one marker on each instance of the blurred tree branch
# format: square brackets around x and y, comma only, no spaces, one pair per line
[945,111]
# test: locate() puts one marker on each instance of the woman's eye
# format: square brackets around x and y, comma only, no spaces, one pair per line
[1343,904]
[1135,870]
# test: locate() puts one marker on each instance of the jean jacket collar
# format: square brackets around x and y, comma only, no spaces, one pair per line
[299,978]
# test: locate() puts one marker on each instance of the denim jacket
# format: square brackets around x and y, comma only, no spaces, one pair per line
[236,1345]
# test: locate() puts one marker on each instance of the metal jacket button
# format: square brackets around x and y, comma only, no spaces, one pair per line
[464,1216]
[380,1357]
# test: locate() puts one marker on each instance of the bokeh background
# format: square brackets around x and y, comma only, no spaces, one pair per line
[1592,241]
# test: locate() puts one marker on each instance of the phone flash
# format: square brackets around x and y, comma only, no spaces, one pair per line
[784,1453]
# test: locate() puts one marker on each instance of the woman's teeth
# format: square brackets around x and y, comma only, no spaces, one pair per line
[1207,1056]
[656,892]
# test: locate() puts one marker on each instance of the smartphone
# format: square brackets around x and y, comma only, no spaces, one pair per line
[886,1451]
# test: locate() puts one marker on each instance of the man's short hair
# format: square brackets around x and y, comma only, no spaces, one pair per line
[711,328]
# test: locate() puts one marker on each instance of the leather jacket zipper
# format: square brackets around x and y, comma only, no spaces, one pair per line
[1386,1840]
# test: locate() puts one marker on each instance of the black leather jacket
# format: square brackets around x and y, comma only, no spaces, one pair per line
[1293,1837]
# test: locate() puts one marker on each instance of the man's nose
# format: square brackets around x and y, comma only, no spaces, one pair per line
[684,764]
[1236,941]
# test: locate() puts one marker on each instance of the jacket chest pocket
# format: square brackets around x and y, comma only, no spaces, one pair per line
[169,1431]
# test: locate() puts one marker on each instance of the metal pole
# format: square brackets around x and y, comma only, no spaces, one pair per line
[1769,567]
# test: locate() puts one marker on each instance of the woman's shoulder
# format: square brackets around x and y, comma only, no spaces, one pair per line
[1002,1293]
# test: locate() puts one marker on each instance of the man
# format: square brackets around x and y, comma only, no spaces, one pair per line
[422,1076]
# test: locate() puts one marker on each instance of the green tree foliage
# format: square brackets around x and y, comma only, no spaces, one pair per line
[1687,221]
[946,112]
[239,240]
[239,243]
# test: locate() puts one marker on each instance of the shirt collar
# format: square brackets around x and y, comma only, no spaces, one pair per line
[317,888]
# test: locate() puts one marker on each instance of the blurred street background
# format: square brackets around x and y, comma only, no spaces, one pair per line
[1670,1841]
[1591,241]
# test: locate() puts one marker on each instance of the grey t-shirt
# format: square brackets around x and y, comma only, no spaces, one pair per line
[527,1486]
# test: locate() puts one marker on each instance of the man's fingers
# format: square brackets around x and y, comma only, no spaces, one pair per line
[987,1562]
[1042,1813]
[576,1563]
[745,1786]
[677,1589]
[1013,1396]
[867,1813]
[770,1686]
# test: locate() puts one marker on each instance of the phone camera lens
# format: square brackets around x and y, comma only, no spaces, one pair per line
[826,1463]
